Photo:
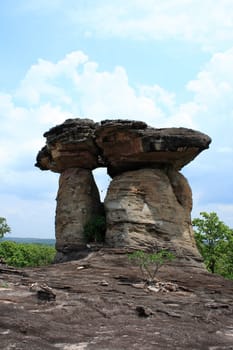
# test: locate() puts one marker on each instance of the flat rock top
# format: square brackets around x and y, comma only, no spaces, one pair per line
[120,145]
[101,305]
[72,130]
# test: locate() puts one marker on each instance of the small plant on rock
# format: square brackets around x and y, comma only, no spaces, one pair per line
[94,230]
[150,263]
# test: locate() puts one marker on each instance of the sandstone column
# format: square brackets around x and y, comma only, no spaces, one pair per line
[145,210]
[77,201]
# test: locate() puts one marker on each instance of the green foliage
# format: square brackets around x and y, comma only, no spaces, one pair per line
[94,230]
[22,255]
[149,263]
[4,228]
[215,243]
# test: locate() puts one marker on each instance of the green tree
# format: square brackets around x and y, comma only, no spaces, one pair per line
[4,228]
[215,242]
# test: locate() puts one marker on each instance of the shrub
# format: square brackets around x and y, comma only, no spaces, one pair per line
[4,228]
[22,255]
[94,230]
[150,263]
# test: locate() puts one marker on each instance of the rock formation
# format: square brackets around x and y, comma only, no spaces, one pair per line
[148,202]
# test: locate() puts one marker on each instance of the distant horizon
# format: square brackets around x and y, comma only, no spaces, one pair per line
[47,241]
[12,237]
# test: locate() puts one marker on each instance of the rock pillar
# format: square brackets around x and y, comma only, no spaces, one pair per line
[150,207]
[71,151]
[77,201]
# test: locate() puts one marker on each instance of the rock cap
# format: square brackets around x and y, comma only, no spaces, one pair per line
[120,145]
[130,145]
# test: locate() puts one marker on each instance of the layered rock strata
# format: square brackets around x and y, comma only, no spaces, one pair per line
[77,201]
[69,145]
[129,145]
[148,202]
[150,208]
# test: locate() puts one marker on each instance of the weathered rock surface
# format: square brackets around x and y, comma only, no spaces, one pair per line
[99,306]
[150,207]
[120,145]
[69,145]
[129,145]
[77,201]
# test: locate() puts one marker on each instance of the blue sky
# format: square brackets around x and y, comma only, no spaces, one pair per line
[167,62]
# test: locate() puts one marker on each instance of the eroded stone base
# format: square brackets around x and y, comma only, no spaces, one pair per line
[150,208]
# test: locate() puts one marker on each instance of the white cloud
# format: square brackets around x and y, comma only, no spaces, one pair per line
[209,23]
[42,79]
[212,95]
[215,82]
[109,94]
[88,92]
[48,114]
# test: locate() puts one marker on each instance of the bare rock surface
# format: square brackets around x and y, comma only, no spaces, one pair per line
[69,145]
[77,201]
[151,207]
[128,145]
[100,305]
[118,144]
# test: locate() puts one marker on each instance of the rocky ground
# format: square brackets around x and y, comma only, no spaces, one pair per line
[101,304]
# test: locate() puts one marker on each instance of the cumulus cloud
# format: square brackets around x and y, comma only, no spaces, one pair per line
[45,79]
[212,95]
[76,85]
[213,113]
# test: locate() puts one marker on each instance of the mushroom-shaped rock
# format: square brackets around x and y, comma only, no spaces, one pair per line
[69,145]
[148,202]
[130,145]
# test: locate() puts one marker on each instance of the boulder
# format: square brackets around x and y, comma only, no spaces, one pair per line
[150,208]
